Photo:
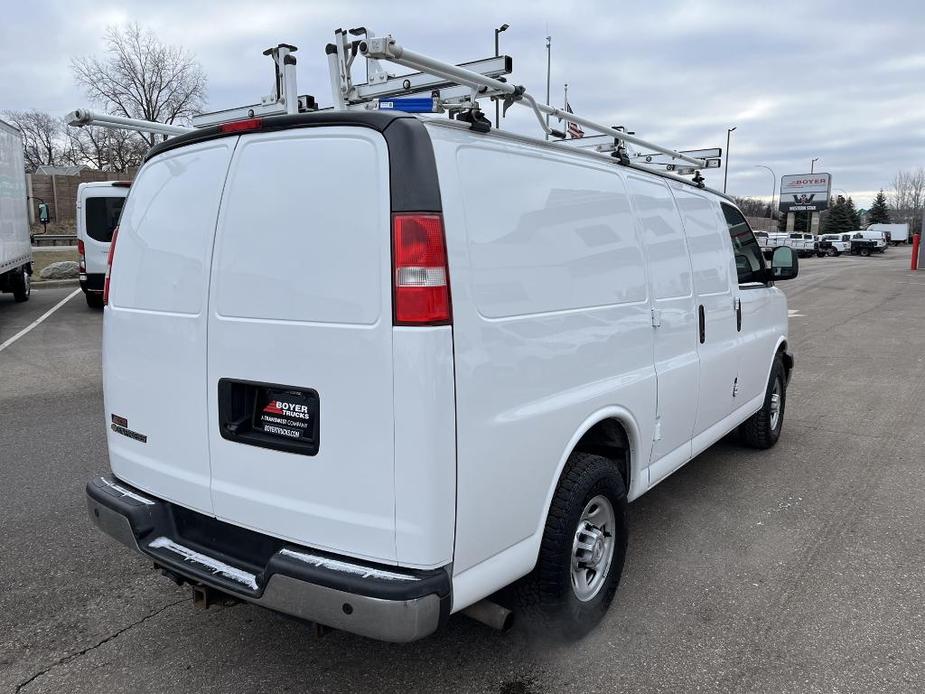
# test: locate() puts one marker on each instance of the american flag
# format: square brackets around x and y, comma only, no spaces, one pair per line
[574,130]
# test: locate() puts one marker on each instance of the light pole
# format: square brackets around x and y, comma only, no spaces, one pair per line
[773,188]
[498,31]
[726,167]
[812,165]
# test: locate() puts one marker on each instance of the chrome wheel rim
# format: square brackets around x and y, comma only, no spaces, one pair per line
[592,548]
[776,399]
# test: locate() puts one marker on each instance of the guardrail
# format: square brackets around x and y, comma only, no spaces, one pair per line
[54,240]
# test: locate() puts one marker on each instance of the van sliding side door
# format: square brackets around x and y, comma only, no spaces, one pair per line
[717,335]
[674,323]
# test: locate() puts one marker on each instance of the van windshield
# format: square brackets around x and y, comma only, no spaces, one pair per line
[102,216]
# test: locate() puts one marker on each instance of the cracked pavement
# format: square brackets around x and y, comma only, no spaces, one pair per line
[800,569]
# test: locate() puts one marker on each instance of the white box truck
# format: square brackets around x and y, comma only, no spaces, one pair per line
[898,233]
[15,247]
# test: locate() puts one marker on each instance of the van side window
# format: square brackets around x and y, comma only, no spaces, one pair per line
[748,256]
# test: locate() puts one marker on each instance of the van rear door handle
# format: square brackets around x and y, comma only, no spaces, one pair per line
[703,325]
[738,303]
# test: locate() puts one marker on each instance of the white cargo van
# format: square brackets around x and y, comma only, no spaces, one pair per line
[15,244]
[368,369]
[99,205]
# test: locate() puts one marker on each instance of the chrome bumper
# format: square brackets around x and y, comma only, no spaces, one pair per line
[381,602]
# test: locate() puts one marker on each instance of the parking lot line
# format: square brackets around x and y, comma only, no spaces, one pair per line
[38,320]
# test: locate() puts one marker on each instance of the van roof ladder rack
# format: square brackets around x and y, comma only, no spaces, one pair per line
[457,88]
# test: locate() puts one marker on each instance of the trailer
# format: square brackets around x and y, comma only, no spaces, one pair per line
[15,246]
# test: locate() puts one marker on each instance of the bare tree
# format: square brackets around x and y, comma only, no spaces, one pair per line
[42,138]
[140,77]
[907,198]
[105,149]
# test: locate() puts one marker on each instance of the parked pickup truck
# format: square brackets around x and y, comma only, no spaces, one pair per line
[833,245]
[866,242]
[804,244]
[769,240]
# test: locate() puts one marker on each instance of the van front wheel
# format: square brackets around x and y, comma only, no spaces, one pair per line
[582,553]
[762,429]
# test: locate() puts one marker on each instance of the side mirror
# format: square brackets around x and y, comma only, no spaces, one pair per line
[784,264]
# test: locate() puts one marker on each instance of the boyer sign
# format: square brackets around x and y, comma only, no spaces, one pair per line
[805,192]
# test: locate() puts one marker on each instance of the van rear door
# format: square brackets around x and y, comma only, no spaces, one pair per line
[300,341]
[98,211]
[154,332]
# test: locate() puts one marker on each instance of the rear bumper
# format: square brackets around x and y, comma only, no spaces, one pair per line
[92,281]
[381,602]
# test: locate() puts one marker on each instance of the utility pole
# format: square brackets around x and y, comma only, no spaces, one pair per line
[726,167]
[502,28]
[812,165]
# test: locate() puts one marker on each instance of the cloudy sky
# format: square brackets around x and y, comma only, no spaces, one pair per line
[841,80]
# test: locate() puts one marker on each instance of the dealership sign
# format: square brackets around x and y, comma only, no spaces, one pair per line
[805,192]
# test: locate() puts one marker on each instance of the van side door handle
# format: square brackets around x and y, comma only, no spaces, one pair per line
[703,325]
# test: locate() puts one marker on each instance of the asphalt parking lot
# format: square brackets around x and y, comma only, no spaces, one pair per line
[799,569]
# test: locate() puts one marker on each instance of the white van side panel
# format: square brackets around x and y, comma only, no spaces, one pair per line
[154,332]
[301,297]
[551,325]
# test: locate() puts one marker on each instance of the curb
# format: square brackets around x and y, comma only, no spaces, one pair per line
[44,284]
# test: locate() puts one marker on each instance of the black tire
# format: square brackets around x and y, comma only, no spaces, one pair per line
[22,285]
[94,300]
[832,252]
[760,430]
[546,598]
[820,254]
[865,252]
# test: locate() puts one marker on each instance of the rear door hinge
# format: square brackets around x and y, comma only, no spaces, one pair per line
[656,318]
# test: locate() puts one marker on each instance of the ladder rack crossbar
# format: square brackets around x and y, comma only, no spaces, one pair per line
[386,48]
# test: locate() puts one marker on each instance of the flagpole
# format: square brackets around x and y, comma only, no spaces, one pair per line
[548,72]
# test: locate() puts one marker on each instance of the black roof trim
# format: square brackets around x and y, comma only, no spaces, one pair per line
[412,168]
[377,120]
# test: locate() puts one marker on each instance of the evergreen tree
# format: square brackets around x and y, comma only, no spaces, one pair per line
[879,212]
[853,215]
[840,218]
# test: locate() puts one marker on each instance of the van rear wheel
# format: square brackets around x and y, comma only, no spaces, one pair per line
[763,428]
[582,552]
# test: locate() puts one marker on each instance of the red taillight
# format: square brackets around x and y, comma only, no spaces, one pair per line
[80,247]
[112,252]
[82,259]
[420,276]
[240,126]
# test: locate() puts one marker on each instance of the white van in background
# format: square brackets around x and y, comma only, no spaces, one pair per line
[368,369]
[99,205]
